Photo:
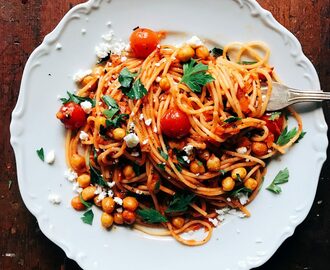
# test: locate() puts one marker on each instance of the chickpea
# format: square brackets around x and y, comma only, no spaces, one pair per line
[129,172]
[76,204]
[204,154]
[259,148]
[97,201]
[100,121]
[165,84]
[78,162]
[118,218]
[238,171]
[119,134]
[178,222]
[202,52]
[251,183]
[228,184]
[108,205]
[213,164]
[88,193]
[84,180]
[185,53]
[106,220]
[197,167]
[130,203]
[87,79]
[129,217]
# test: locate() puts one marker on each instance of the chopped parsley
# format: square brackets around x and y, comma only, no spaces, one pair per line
[41,154]
[194,75]
[87,204]
[161,166]
[286,136]
[235,193]
[180,202]
[274,116]
[88,217]
[247,62]
[117,120]
[223,172]
[76,99]
[96,177]
[126,78]
[302,135]
[232,119]
[133,90]
[216,52]
[162,153]
[151,215]
[281,178]
[178,167]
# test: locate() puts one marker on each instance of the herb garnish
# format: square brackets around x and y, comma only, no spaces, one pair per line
[232,119]
[286,136]
[216,52]
[88,217]
[281,178]
[223,172]
[87,204]
[76,99]
[178,167]
[247,62]
[113,107]
[180,202]
[151,215]
[117,120]
[104,59]
[235,193]
[194,75]
[96,177]
[274,116]
[134,90]
[162,153]
[302,135]
[41,154]
[161,166]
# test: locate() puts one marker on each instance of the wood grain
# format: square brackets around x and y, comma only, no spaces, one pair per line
[24,24]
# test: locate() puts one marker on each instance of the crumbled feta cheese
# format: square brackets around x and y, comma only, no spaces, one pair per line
[247,160]
[76,188]
[110,193]
[118,200]
[157,64]
[83,31]
[70,175]
[237,213]
[158,46]
[148,122]
[155,129]
[131,140]
[214,221]
[108,37]
[194,42]
[111,184]
[269,150]
[158,79]
[139,192]
[145,141]
[188,149]
[86,106]
[243,198]
[241,150]
[131,125]
[135,154]
[98,190]
[141,116]
[123,58]
[228,199]
[101,196]
[119,209]
[78,77]
[224,211]
[102,50]
[50,157]
[83,136]
[186,159]
[58,46]
[54,198]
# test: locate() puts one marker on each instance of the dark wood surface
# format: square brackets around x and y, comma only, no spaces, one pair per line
[23,25]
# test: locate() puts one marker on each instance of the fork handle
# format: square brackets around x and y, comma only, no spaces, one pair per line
[302,96]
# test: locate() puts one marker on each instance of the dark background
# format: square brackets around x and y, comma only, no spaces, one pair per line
[23,25]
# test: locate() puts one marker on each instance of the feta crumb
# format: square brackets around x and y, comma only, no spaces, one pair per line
[54,198]
[101,196]
[158,46]
[214,221]
[76,188]
[155,129]
[139,192]
[70,175]
[102,50]
[141,116]
[58,46]
[118,200]
[131,140]
[110,193]
[228,199]
[119,209]
[145,141]
[83,136]
[241,150]
[83,31]
[157,64]
[194,42]
[247,160]
[269,150]
[135,154]
[78,77]
[243,198]
[108,37]
[148,122]
[50,157]
[98,190]
[186,159]
[86,106]
[123,58]
[111,184]
[188,149]
[158,79]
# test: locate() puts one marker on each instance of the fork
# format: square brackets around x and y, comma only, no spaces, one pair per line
[283,96]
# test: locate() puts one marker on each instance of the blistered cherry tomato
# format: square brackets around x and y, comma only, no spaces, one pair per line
[72,115]
[274,126]
[143,42]
[175,123]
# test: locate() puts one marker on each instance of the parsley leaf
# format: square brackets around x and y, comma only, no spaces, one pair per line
[232,119]
[137,91]
[178,167]
[223,172]
[110,102]
[302,135]
[286,136]
[162,153]
[151,215]
[136,169]
[247,62]
[117,120]
[41,154]
[161,166]
[126,78]
[96,177]
[180,202]
[194,75]
[235,193]
[274,116]
[104,59]
[87,204]
[134,90]
[281,178]
[88,217]
[76,99]
[216,52]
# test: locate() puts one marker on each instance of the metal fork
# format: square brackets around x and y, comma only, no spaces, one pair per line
[283,96]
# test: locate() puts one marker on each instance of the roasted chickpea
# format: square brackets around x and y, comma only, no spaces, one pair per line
[259,148]
[118,218]
[128,172]
[130,203]
[129,217]
[84,180]
[197,167]
[106,220]
[238,171]
[87,79]
[202,52]
[178,222]
[185,53]
[228,184]
[100,121]
[251,183]
[119,134]
[77,162]
[213,164]
[97,201]
[88,193]
[165,84]
[108,205]
[77,204]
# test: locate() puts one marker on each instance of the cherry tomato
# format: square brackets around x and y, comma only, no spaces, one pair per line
[72,115]
[274,126]
[175,123]
[143,42]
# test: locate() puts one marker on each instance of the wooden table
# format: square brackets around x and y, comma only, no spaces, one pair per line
[24,24]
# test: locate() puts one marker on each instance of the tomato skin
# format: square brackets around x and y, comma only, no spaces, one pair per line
[72,115]
[175,123]
[143,42]
[274,126]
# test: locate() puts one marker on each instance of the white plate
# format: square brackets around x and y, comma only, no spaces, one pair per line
[239,243]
